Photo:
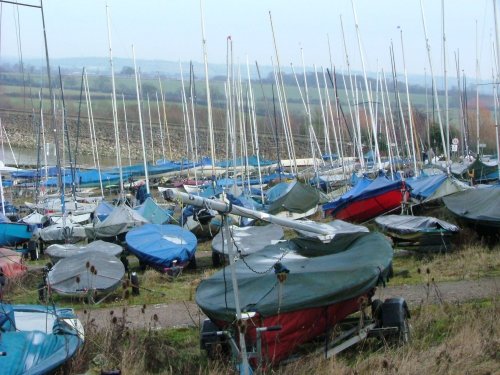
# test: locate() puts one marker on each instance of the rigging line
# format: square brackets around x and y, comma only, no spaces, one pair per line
[22,4]
[17,23]
[1,14]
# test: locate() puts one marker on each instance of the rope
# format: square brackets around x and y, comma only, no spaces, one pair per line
[285,252]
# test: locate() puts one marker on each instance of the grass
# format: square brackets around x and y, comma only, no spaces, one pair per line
[156,287]
[465,263]
[445,339]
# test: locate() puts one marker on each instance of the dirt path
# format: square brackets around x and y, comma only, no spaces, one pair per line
[185,314]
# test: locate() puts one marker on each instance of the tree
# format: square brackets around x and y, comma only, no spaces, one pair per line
[127,71]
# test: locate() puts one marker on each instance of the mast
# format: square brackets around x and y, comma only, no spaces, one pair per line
[93,138]
[477,93]
[52,107]
[253,120]
[410,116]
[161,126]
[151,130]
[434,87]
[496,85]
[113,104]
[446,103]
[368,92]
[209,102]
[126,129]
[165,119]
[140,123]
[281,92]
[324,117]
[358,147]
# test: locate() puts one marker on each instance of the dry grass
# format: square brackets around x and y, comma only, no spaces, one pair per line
[470,261]
[446,339]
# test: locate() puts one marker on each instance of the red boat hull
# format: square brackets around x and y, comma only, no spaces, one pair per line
[297,327]
[366,209]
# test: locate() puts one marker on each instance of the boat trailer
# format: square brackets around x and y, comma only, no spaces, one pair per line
[388,322]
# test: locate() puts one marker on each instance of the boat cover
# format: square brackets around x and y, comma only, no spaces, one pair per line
[103,210]
[11,263]
[57,252]
[159,245]
[120,220]
[89,271]
[35,218]
[341,233]
[481,205]
[58,232]
[292,196]
[406,224]
[37,339]
[480,172]
[429,188]
[315,279]
[364,189]
[248,240]
[152,212]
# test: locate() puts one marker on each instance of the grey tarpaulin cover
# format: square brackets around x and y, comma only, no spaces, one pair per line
[341,233]
[407,224]
[120,220]
[248,240]
[59,232]
[57,251]
[480,205]
[318,276]
[79,274]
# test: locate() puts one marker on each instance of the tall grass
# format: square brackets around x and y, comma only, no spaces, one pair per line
[445,339]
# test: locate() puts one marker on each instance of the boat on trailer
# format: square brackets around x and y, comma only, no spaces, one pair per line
[304,286]
[295,291]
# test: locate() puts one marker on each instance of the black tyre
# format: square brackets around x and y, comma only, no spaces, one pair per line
[377,310]
[192,264]
[216,259]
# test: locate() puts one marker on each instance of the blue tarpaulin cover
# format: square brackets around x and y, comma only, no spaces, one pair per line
[424,186]
[38,350]
[364,189]
[160,245]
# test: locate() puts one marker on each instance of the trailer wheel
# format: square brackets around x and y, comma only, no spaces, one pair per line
[192,264]
[404,331]
[216,347]
[218,259]
[377,310]
[395,313]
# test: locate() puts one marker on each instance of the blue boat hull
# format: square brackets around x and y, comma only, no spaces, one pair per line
[36,350]
[12,234]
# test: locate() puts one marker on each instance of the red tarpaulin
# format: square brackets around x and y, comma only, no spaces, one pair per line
[11,263]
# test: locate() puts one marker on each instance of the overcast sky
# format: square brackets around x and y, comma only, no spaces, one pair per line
[171,30]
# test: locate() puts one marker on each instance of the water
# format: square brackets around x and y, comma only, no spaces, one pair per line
[28,157]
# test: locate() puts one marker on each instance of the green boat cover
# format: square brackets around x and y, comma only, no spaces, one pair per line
[480,205]
[480,172]
[319,275]
[293,196]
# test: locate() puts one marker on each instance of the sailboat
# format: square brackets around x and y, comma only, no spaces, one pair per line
[367,199]
[13,234]
[37,339]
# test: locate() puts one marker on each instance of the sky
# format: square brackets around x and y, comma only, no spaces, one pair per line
[171,30]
